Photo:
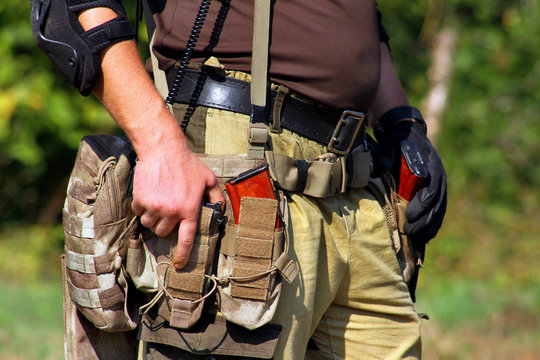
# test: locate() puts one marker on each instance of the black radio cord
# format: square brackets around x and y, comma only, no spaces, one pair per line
[188,53]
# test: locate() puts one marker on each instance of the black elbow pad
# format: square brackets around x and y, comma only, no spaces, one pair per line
[73,51]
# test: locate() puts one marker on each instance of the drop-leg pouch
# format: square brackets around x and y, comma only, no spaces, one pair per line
[98,222]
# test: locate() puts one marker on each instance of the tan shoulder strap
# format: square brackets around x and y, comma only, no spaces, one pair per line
[257,130]
[259,62]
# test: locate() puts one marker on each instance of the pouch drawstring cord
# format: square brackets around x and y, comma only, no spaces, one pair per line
[224,280]
[143,310]
[98,180]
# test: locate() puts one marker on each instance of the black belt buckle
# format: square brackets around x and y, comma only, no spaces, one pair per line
[346,131]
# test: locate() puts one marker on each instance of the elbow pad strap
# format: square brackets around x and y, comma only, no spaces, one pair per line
[106,34]
[76,6]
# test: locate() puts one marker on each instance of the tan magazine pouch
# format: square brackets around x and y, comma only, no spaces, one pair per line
[187,289]
[252,261]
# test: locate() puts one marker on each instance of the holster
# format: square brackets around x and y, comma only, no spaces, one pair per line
[409,254]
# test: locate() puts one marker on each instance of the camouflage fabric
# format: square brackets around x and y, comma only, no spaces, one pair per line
[98,223]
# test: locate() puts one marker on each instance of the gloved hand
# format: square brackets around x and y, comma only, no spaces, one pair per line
[426,209]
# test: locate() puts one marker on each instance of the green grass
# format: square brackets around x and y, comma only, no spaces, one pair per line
[31,321]
[469,320]
[472,319]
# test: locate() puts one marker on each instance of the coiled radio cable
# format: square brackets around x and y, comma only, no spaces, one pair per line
[188,53]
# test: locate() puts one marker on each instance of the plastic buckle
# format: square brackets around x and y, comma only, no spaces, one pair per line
[347,129]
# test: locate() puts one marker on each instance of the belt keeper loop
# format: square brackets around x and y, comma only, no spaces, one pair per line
[282,92]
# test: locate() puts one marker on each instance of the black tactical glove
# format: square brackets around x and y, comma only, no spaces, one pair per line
[426,210]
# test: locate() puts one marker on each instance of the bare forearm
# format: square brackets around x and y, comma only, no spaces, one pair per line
[128,93]
[130,96]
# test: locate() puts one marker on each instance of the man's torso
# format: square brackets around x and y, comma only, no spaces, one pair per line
[328,51]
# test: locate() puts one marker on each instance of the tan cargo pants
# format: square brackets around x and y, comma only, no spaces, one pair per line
[350,296]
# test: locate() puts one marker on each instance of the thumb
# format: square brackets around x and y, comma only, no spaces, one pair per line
[186,236]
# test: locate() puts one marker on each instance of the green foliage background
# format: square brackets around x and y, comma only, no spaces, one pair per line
[481,272]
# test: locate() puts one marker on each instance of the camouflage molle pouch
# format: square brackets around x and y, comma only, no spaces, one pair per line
[98,222]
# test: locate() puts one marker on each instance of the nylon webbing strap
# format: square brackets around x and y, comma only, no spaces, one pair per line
[78,226]
[259,62]
[92,264]
[96,298]
[257,130]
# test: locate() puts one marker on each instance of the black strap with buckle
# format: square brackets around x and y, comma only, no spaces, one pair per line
[340,130]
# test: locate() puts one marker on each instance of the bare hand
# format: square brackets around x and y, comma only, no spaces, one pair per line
[168,189]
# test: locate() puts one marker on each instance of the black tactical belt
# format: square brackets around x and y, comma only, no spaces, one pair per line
[340,130]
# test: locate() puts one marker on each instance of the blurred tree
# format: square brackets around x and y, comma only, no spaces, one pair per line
[489,135]
[493,131]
